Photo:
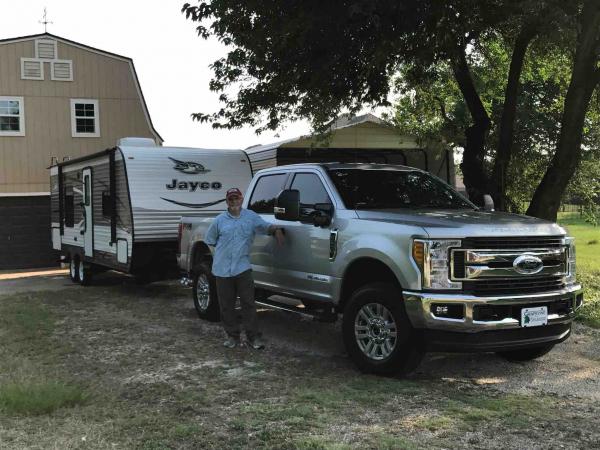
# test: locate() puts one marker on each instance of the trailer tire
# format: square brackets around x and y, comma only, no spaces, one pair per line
[74,269]
[84,273]
[377,332]
[526,354]
[204,291]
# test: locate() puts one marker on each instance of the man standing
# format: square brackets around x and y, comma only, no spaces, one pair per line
[232,233]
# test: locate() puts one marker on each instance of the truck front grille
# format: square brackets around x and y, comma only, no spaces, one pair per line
[513,242]
[491,265]
[483,288]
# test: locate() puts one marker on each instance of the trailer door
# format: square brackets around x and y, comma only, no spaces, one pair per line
[88,223]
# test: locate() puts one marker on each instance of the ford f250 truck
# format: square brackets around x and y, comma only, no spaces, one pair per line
[410,264]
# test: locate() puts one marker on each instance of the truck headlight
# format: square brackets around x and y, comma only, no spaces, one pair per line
[571,265]
[432,257]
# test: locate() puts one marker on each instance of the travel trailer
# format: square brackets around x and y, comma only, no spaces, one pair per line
[121,208]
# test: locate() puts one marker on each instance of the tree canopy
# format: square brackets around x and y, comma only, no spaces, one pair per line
[305,59]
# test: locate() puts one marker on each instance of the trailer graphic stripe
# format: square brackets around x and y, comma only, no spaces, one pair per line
[193,205]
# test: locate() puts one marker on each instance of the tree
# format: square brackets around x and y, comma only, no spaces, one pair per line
[584,79]
[309,59]
[435,112]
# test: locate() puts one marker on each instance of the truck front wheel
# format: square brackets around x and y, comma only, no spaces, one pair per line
[204,291]
[377,332]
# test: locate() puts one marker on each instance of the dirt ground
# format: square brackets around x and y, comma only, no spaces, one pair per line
[161,379]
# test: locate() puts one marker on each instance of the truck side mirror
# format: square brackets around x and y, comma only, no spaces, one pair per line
[287,205]
[324,213]
[488,202]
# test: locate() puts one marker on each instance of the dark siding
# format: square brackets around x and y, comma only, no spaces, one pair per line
[25,238]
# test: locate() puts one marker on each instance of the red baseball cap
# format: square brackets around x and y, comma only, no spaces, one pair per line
[233,191]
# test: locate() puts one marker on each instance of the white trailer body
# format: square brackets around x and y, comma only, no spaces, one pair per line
[121,208]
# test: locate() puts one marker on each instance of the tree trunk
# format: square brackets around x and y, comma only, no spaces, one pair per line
[504,153]
[473,168]
[584,79]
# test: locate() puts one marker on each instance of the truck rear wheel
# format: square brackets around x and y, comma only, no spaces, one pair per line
[204,291]
[377,332]
[526,354]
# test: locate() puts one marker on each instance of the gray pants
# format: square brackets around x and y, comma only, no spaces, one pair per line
[228,288]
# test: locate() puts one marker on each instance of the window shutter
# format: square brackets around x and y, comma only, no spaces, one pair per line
[62,70]
[46,49]
[32,69]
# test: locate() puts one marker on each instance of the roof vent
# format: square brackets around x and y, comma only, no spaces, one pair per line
[136,142]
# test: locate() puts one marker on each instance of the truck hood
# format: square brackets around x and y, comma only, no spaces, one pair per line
[465,223]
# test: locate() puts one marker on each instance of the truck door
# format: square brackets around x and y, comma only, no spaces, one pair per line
[262,201]
[302,264]
[87,227]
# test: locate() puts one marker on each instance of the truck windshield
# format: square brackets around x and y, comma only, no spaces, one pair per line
[391,189]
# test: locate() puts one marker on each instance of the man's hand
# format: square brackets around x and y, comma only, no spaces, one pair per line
[278,233]
[279,236]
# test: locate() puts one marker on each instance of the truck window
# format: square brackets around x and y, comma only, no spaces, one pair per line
[311,189]
[265,191]
[390,189]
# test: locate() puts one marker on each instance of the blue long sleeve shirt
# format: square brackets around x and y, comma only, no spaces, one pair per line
[232,238]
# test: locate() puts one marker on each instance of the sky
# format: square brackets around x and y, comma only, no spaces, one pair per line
[170,59]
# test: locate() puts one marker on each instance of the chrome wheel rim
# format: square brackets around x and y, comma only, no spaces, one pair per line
[73,269]
[203,292]
[81,271]
[375,331]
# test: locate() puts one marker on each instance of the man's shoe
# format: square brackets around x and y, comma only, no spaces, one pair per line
[256,343]
[231,342]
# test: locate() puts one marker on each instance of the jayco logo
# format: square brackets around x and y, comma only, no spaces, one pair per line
[189,166]
[193,186]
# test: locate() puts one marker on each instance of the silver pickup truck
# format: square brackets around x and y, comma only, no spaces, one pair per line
[410,265]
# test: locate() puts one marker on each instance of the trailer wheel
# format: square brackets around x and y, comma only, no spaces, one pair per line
[526,354]
[204,291]
[84,273]
[377,332]
[74,269]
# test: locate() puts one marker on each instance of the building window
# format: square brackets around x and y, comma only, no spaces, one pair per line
[32,69]
[12,116]
[61,70]
[45,49]
[84,118]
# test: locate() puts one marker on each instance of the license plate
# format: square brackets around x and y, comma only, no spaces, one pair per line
[534,317]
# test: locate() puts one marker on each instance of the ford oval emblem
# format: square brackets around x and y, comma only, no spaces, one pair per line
[528,264]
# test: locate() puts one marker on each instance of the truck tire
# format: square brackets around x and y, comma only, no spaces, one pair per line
[526,354]
[74,269]
[204,291]
[377,332]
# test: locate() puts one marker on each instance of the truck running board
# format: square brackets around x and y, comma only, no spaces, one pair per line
[328,316]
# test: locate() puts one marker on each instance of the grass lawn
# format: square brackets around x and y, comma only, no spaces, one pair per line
[587,238]
[127,367]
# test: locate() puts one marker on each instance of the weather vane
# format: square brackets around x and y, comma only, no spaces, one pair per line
[45,21]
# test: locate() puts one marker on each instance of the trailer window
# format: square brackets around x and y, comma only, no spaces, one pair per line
[86,182]
[106,204]
[69,207]
[266,190]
